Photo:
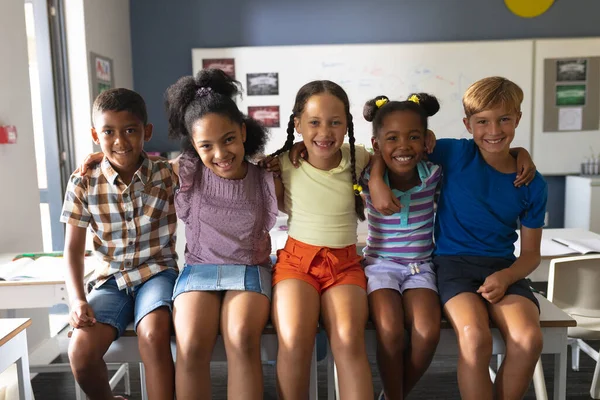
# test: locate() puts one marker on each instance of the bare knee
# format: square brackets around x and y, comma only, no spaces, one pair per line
[475,342]
[83,357]
[243,340]
[425,338]
[193,350]
[527,343]
[391,336]
[155,339]
[296,343]
[348,339]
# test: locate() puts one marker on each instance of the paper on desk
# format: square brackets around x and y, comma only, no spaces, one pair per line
[44,268]
[549,248]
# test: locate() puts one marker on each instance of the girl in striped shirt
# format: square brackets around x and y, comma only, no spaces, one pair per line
[401,286]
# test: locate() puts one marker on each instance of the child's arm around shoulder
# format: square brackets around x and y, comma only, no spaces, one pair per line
[525,166]
[382,198]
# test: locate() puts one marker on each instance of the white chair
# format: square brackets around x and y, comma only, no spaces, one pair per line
[573,285]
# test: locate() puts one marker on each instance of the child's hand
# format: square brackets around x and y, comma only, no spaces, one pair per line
[382,197]
[271,164]
[82,315]
[525,168]
[298,151]
[495,286]
[430,141]
[90,161]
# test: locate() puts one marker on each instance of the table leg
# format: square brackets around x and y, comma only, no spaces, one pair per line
[560,373]
[25,390]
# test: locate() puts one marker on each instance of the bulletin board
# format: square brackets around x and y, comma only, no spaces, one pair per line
[271,76]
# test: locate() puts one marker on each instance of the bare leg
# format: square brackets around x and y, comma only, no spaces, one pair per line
[296,307]
[388,316]
[243,319]
[518,320]
[154,340]
[196,318]
[422,315]
[86,351]
[469,317]
[345,311]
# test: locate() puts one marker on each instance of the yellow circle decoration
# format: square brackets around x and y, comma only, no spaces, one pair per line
[528,8]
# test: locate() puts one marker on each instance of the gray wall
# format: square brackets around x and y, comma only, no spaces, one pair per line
[163,34]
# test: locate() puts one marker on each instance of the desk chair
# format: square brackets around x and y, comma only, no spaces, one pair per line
[573,286]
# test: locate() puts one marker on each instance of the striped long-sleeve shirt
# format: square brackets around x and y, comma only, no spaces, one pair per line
[408,234]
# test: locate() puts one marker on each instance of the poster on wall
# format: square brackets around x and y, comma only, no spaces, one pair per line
[267,115]
[226,65]
[571,70]
[570,95]
[262,84]
[102,74]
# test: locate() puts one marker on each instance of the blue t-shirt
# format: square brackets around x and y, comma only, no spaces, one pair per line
[479,207]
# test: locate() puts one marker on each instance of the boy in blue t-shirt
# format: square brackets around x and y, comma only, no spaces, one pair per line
[479,277]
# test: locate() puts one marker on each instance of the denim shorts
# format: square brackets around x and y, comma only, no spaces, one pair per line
[118,308]
[386,274]
[212,277]
[460,274]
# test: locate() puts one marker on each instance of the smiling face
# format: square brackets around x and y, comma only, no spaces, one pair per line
[323,125]
[493,130]
[401,142]
[220,144]
[121,136]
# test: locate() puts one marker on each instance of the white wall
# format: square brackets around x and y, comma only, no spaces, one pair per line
[20,221]
[101,27]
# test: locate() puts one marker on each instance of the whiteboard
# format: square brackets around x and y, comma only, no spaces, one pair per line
[560,152]
[443,69]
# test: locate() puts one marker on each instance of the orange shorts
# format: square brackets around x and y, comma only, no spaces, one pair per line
[322,267]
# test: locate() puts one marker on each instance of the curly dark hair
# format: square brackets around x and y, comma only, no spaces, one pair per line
[425,106]
[306,92]
[210,91]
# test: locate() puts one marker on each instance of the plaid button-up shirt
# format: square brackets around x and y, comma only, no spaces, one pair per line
[133,226]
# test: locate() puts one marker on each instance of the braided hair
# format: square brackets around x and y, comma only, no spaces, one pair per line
[210,91]
[306,92]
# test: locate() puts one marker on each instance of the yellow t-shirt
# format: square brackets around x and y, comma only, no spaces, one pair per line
[320,204]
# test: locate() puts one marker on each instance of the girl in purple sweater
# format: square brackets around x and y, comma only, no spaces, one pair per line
[228,206]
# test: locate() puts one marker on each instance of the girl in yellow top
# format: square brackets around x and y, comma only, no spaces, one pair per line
[318,273]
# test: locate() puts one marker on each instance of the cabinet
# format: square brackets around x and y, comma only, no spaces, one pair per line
[582,203]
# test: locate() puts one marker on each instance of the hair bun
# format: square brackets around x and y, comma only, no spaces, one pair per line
[217,81]
[371,107]
[428,102]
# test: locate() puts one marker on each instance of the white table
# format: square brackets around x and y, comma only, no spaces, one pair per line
[13,349]
[32,298]
[548,251]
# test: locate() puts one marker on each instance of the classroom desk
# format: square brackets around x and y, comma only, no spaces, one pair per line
[33,298]
[541,272]
[13,349]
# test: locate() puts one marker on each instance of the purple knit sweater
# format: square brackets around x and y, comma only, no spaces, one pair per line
[226,221]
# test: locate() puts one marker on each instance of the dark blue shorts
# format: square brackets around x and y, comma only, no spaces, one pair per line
[460,274]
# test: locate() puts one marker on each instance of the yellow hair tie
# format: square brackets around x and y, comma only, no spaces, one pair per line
[379,103]
[357,188]
[415,99]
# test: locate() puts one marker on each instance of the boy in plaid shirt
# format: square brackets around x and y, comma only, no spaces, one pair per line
[127,203]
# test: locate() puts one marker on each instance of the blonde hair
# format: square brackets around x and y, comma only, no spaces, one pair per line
[488,93]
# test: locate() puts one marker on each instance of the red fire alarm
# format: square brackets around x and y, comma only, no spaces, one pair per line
[8,134]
